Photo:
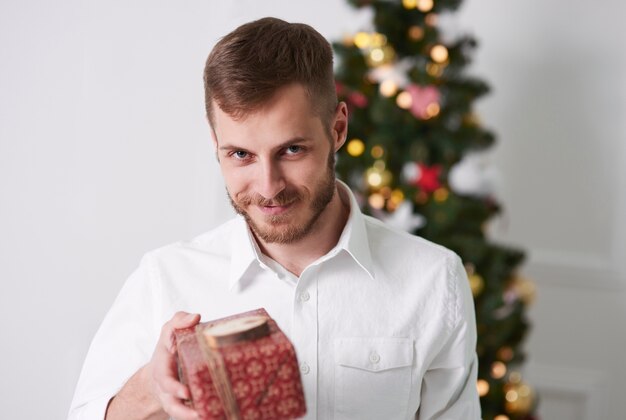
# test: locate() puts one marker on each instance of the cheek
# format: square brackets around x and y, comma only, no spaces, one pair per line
[237,180]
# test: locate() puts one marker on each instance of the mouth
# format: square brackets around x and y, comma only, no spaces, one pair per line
[276,210]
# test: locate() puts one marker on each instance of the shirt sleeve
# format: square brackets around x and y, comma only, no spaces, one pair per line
[449,385]
[123,343]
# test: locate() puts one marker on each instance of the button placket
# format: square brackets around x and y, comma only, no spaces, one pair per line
[305,335]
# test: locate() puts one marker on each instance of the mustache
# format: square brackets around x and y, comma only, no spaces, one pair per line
[281,199]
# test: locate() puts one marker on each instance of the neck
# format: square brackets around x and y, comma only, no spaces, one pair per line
[324,235]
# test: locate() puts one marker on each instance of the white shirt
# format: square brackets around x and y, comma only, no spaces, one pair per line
[383,325]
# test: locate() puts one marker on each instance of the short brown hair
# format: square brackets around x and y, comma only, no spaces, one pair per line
[248,66]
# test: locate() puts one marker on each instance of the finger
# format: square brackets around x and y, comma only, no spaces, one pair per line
[171,386]
[183,320]
[175,408]
[179,320]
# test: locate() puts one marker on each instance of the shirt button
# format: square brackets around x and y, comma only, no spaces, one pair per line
[304,296]
[374,357]
[304,368]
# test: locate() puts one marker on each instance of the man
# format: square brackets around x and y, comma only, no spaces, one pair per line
[382,321]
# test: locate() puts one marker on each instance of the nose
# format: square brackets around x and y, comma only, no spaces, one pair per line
[270,180]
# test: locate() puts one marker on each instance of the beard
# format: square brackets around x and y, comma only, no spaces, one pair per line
[279,229]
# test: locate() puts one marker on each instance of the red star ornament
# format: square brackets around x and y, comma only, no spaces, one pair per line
[428,180]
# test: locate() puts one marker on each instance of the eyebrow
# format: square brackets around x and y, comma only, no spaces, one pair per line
[287,143]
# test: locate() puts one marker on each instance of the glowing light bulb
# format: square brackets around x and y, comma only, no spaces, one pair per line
[404,100]
[498,370]
[432,110]
[362,40]
[376,201]
[397,196]
[377,55]
[483,387]
[377,152]
[388,88]
[431,19]
[416,33]
[409,4]
[374,179]
[511,395]
[439,53]
[355,147]
[425,5]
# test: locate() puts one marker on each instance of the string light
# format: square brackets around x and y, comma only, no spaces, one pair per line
[404,100]
[376,201]
[375,179]
[439,53]
[505,354]
[409,4]
[397,196]
[432,110]
[388,88]
[501,417]
[498,370]
[355,147]
[431,19]
[425,5]
[483,387]
[377,55]
[362,40]
[416,33]
[379,165]
[377,152]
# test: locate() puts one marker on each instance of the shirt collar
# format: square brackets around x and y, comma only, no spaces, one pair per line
[244,249]
[354,239]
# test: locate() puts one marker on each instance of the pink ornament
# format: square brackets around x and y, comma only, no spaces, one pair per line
[358,99]
[422,96]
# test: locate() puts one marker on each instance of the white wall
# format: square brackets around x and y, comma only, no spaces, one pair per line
[105,154]
[558,72]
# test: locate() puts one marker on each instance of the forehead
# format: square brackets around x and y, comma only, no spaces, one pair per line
[288,114]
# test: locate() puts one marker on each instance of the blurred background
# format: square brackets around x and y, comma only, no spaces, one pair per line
[105,154]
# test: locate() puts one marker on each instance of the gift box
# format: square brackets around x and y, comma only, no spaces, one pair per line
[240,367]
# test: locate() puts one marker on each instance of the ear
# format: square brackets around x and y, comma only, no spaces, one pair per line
[339,127]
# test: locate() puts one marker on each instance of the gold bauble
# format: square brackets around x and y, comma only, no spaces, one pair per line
[525,289]
[379,56]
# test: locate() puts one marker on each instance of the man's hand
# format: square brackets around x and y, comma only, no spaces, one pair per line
[154,392]
[166,387]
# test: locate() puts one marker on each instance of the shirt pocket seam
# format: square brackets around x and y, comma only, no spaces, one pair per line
[374,354]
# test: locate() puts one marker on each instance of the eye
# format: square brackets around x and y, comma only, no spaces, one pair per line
[293,149]
[240,154]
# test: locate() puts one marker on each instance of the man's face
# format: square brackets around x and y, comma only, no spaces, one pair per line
[278,164]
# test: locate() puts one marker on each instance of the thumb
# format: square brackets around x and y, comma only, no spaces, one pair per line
[184,320]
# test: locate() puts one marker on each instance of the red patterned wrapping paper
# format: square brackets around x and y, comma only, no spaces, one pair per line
[262,374]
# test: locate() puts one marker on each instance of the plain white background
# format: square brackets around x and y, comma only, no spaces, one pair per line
[105,154]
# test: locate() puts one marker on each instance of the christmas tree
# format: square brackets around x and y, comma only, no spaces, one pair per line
[413,159]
